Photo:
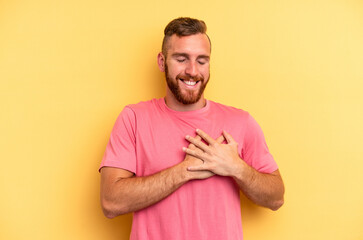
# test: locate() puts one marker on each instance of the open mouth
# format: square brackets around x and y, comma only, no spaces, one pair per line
[189,83]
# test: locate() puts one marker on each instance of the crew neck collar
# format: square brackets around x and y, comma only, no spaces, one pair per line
[192,112]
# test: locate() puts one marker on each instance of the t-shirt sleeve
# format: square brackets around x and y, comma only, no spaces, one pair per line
[255,151]
[120,150]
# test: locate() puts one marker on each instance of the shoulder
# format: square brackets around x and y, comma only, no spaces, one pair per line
[229,111]
[143,106]
[133,113]
[236,118]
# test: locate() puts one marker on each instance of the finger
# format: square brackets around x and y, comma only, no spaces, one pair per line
[228,137]
[194,152]
[220,139]
[206,137]
[191,145]
[198,143]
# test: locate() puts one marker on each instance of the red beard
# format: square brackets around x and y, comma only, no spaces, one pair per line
[190,96]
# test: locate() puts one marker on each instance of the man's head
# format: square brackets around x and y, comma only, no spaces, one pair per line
[182,27]
[185,59]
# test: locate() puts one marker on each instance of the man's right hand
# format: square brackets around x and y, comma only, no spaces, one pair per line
[190,160]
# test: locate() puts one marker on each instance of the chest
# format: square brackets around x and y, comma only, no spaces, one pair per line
[160,139]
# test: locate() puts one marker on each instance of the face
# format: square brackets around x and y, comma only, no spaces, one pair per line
[187,67]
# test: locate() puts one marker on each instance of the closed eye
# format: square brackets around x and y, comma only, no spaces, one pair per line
[203,60]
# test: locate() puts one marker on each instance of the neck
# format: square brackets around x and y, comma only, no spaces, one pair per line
[174,104]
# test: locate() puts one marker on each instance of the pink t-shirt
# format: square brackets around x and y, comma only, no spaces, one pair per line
[148,137]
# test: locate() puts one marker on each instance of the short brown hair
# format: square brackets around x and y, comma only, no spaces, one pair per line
[183,26]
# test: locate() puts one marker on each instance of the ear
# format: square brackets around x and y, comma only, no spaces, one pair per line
[161,62]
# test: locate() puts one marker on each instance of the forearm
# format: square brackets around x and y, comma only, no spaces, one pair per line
[124,195]
[121,193]
[223,159]
[266,190]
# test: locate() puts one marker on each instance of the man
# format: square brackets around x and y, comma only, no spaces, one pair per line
[179,162]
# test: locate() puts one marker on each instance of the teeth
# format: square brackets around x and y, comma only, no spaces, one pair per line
[190,83]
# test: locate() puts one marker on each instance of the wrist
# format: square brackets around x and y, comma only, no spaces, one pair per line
[239,169]
[182,172]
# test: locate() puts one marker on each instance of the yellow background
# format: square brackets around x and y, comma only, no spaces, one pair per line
[67,68]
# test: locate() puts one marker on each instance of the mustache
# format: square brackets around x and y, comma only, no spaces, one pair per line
[190,78]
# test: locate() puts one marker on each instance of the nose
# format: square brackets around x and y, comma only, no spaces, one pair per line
[191,69]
